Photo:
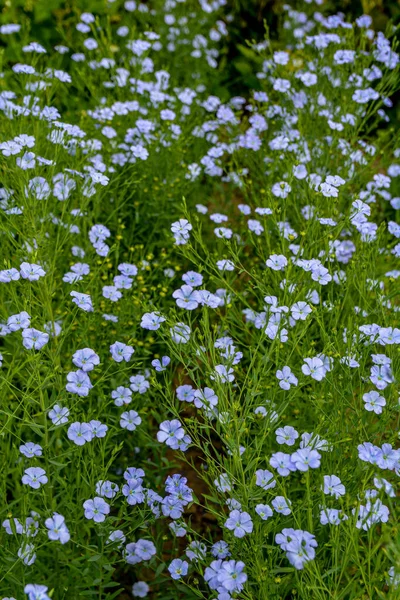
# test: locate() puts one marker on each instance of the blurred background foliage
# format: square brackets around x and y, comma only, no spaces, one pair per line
[251,16]
[48,20]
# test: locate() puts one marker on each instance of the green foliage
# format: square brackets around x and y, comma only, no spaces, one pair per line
[138,182]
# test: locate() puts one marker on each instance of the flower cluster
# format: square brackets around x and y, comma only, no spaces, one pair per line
[203,286]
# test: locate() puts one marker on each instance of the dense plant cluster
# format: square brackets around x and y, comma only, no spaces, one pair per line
[199,317]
